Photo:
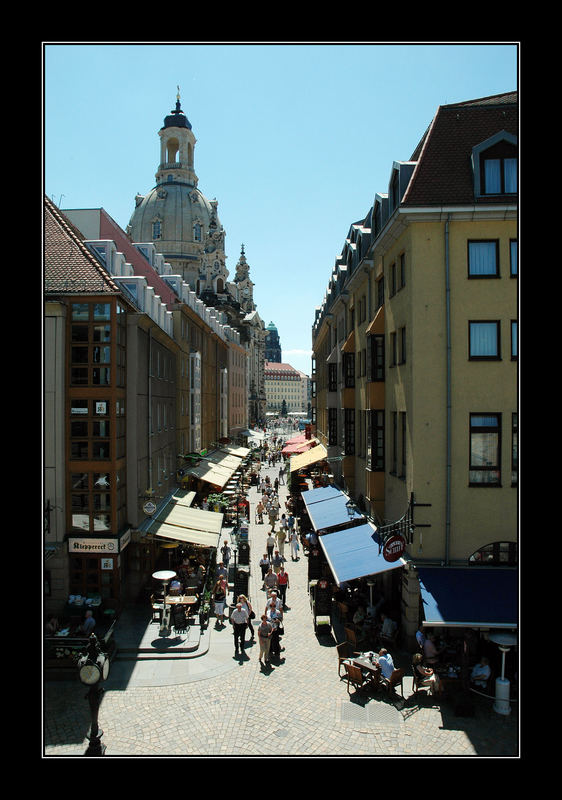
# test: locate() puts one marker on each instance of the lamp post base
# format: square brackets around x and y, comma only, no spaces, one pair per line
[95,748]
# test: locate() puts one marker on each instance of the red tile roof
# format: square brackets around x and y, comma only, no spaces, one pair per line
[109,229]
[69,267]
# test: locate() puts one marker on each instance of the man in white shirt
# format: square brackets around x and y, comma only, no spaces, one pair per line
[386,663]
[239,618]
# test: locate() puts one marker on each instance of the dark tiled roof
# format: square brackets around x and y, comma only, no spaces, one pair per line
[443,174]
[69,267]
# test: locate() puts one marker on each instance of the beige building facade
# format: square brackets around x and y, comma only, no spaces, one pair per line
[416,349]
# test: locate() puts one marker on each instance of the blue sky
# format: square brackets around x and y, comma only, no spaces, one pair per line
[293,140]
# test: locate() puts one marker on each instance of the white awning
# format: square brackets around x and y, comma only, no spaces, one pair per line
[189,535]
[311,456]
[185,517]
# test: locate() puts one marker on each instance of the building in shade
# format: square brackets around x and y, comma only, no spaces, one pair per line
[272,344]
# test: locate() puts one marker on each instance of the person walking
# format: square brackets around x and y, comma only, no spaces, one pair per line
[281,476]
[225,553]
[283,585]
[275,618]
[264,565]
[220,591]
[270,581]
[260,509]
[265,632]
[294,542]
[270,544]
[277,562]
[251,614]
[239,619]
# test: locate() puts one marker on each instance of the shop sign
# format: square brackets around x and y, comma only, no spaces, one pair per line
[93,545]
[106,563]
[394,547]
[149,508]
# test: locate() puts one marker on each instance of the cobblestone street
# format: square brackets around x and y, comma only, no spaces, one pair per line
[219,706]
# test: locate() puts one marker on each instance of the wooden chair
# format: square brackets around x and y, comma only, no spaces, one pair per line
[355,676]
[157,608]
[396,679]
[417,686]
[344,654]
[352,637]
[343,610]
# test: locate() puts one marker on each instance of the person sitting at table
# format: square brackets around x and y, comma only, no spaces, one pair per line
[175,588]
[52,626]
[389,671]
[88,625]
[481,672]
[430,651]
[359,617]
[388,627]
[425,676]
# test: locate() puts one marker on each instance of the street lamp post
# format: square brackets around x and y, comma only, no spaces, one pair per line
[93,668]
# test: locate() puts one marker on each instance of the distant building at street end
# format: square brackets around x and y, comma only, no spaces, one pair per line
[272,344]
[286,389]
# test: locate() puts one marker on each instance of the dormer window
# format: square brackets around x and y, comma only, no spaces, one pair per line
[494,164]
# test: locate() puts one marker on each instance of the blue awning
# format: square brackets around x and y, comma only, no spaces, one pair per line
[354,553]
[326,508]
[471,597]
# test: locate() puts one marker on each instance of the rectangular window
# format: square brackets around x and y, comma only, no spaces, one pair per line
[349,431]
[402,345]
[484,340]
[513,257]
[393,349]
[483,259]
[403,442]
[332,426]
[375,441]
[392,280]
[514,450]
[402,270]
[349,370]
[380,293]
[394,442]
[513,340]
[485,451]
[376,347]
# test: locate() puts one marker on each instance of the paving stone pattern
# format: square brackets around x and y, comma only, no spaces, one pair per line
[216,705]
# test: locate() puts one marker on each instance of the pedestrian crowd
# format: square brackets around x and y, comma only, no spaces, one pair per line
[275,578]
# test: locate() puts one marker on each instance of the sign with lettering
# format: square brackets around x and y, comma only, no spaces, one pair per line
[394,547]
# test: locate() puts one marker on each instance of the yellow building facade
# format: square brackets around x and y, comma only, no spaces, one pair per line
[416,351]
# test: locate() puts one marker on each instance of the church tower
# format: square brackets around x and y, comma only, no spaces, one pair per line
[244,284]
[176,217]
[272,344]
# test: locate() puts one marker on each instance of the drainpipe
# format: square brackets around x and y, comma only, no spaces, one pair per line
[448,337]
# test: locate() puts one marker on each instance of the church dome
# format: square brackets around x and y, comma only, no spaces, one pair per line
[176,217]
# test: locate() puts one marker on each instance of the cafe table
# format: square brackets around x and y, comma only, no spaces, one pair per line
[181,599]
[372,667]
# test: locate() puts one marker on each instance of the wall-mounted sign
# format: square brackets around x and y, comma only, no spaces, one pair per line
[394,547]
[149,508]
[106,563]
[101,407]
